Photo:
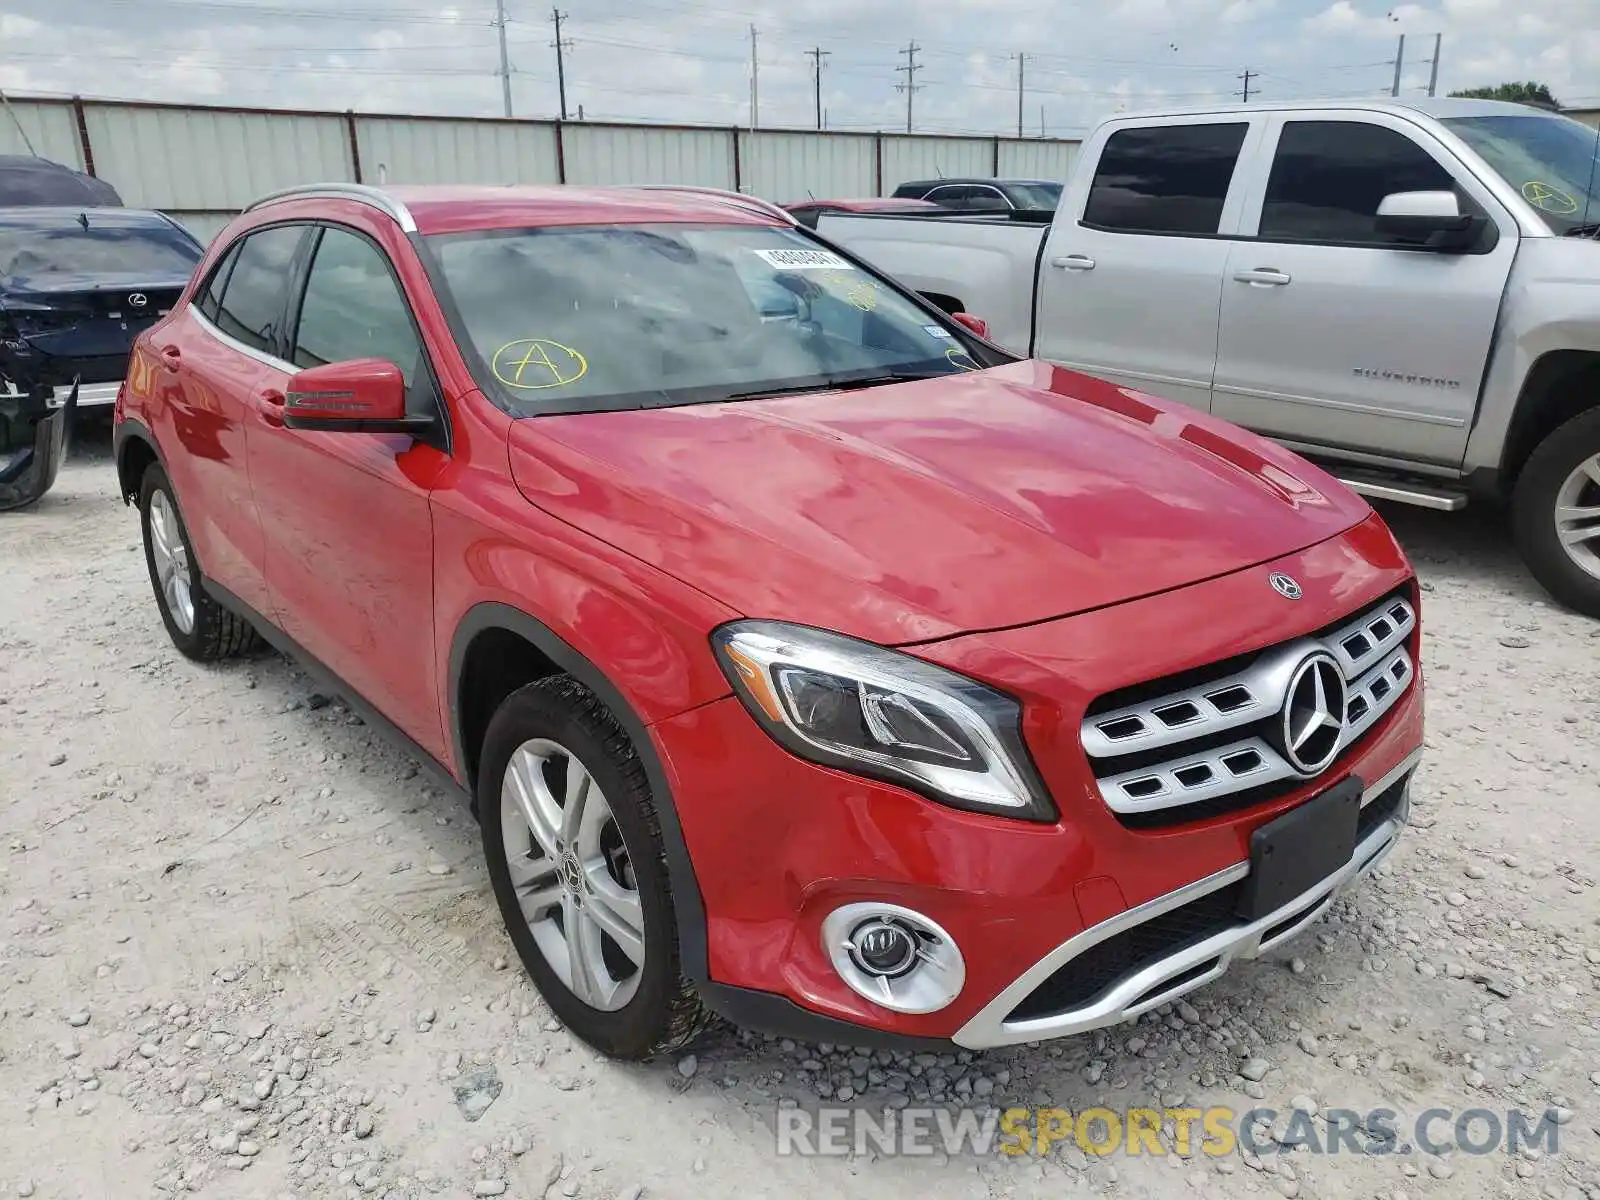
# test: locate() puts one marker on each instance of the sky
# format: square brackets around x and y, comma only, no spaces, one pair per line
[690,62]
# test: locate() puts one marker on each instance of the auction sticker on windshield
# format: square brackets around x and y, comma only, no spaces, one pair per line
[802,260]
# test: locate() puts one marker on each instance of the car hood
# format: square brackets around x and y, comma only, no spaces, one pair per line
[916,511]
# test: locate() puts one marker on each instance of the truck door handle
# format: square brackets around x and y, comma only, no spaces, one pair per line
[1073,262]
[1263,277]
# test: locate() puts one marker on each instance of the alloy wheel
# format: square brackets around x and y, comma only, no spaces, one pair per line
[172,562]
[572,874]
[1577,515]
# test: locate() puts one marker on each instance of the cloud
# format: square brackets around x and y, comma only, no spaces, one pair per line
[689,60]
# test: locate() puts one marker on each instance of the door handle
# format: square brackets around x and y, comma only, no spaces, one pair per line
[1263,277]
[270,401]
[1073,262]
[171,357]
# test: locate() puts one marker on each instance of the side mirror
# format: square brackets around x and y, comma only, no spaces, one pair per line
[362,395]
[977,324]
[1432,220]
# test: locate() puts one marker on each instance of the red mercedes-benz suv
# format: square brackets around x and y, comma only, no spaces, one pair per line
[806,658]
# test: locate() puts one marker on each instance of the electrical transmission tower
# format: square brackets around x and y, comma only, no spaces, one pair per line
[1247,76]
[910,87]
[561,45]
[817,54]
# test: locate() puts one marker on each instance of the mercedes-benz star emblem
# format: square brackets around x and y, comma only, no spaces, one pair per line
[1285,585]
[138,300]
[1314,714]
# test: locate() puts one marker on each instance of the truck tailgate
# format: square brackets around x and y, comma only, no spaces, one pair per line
[984,264]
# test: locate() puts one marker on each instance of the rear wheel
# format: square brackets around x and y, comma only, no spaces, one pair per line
[198,626]
[575,856]
[1556,512]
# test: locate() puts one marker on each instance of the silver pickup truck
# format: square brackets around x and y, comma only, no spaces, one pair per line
[1408,292]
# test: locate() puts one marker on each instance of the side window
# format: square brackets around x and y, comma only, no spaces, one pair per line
[258,284]
[1170,179]
[210,296]
[1328,178]
[953,196]
[988,199]
[353,308]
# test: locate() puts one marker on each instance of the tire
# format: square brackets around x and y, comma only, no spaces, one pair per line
[198,626]
[1563,472]
[639,1009]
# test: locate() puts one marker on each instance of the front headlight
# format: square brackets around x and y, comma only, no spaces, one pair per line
[877,712]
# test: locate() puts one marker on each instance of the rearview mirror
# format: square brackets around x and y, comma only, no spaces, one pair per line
[1432,220]
[361,395]
[977,324]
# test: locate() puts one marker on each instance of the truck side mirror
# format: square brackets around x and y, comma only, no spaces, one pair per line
[1432,220]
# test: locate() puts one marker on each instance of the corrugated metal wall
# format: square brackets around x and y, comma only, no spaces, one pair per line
[203,164]
[1037,159]
[609,154]
[909,157]
[792,166]
[400,150]
[51,128]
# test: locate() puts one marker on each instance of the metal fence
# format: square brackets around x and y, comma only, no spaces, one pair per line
[202,164]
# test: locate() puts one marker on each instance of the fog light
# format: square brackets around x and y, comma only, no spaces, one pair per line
[894,956]
[886,948]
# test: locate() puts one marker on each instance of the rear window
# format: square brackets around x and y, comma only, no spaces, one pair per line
[98,250]
[1171,179]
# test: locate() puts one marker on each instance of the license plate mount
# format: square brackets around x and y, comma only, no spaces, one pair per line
[1296,851]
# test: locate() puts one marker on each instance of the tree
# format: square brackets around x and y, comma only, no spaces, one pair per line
[1521,93]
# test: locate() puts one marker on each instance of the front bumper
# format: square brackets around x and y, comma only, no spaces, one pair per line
[777,843]
[1194,962]
[90,395]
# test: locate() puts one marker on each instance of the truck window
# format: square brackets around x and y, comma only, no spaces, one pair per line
[1168,179]
[1328,178]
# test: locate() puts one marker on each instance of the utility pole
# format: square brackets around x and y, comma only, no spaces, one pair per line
[1247,77]
[1433,67]
[1399,61]
[561,46]
[910,86]
[817,54]
[755,81]
[1022,60]
[505,56]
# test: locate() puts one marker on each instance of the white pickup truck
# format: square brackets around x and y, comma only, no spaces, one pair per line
[1408,292]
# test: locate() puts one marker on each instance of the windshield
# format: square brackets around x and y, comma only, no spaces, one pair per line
[1035,195]
[107,250]
[594,318]
[1549,159]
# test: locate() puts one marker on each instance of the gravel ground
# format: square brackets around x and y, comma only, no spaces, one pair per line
[246,950]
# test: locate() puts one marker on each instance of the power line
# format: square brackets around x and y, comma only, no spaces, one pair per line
[817,54]
[910,87]
[562,46]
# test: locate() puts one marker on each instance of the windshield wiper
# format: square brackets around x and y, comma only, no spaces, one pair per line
[849,384]
[1592,229]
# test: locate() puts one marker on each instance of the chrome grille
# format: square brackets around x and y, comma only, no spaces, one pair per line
[1211,740]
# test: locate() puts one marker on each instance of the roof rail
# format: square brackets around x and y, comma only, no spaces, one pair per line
[359,192]
[754,203]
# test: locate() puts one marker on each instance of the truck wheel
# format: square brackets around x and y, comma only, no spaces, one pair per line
[1556,513]
[575,856]
[198,626]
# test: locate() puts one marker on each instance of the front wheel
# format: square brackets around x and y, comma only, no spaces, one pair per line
[574,854]
[198,626]
[1556,513]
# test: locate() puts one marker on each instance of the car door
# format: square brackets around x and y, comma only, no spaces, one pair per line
[349,535]
[1131,277]
[1334,337]
[209,363]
